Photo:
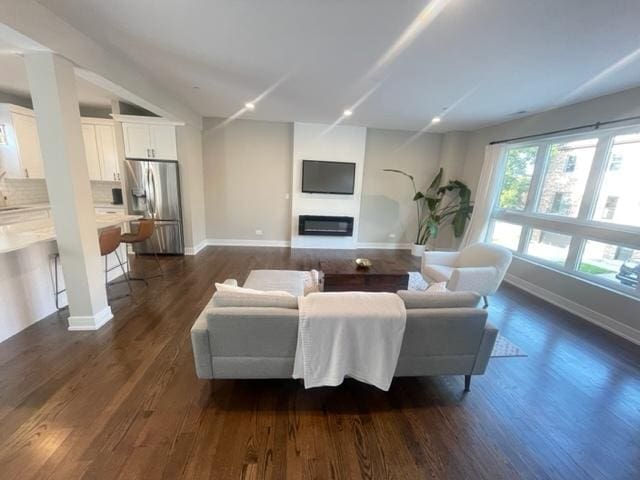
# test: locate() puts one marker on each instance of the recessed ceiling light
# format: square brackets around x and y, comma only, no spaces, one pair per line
[436,120]
[250,106]
[347,113]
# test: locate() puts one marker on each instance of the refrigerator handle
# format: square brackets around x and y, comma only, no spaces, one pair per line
[151,187]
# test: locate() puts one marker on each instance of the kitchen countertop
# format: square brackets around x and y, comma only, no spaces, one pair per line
[34,207]
[24,234]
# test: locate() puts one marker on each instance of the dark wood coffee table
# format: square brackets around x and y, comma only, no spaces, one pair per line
[345,276]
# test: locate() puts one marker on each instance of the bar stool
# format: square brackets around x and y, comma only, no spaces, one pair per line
[109,243]
[146,229]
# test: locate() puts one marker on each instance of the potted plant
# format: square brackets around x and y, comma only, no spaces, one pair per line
[438,206]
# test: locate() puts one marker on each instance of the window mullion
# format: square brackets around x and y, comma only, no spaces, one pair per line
[598,167]
[536,179]
[575,250]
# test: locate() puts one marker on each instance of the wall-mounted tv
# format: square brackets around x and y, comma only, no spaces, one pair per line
[328,177]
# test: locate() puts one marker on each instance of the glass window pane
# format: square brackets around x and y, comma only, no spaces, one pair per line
[619,196]
[506,234]
[517,177]
[549,246]
[611,263]
[566,177]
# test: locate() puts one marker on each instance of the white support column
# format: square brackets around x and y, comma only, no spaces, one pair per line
[53,90]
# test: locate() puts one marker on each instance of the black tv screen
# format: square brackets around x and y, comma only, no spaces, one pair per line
[328,177]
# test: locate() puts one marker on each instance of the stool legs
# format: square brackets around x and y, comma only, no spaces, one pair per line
[124,273]
[56,291]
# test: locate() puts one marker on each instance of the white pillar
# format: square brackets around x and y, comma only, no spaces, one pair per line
[55,101]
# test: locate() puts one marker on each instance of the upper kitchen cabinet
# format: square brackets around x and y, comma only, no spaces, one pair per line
[21,157]
[150,140]
[20,153]
[91,152]
[100,149]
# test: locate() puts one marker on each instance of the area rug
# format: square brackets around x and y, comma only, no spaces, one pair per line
[502,348]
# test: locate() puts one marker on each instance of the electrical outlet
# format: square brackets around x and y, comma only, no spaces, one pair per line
[258,232]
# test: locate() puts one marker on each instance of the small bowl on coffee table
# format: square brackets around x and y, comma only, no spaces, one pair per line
[363,263]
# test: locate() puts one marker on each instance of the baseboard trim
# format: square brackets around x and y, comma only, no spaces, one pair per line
[223,242]
[597,318]
[90,322]
[194,250]
[384,246]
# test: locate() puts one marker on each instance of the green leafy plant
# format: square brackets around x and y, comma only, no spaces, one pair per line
[439,205]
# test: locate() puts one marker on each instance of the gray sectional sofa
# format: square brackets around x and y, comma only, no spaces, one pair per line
[446,334]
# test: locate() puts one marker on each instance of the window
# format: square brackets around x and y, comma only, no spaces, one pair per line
[561,203]
[517,177]
[610,207]
[570,163]
[616,163]
[573,203]
[548,246]
[602,262]
[570,183]
[622,182]
[506,234]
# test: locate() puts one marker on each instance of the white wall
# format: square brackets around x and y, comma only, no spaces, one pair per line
[247,178]
[616,311]
[313,141]
[387,212]
[189,145]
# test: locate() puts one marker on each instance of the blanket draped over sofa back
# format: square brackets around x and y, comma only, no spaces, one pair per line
[355,334]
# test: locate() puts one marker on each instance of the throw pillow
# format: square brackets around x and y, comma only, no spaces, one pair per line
[413,299]
[232,296]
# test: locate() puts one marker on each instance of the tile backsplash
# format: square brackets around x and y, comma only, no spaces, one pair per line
[21,191]
[25,191]
[101,191]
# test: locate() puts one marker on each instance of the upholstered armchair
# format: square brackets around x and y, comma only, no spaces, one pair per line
[478,268]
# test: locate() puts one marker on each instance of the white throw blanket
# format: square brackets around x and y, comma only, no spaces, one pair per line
[353,334]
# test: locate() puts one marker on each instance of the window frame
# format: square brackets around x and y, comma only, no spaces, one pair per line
[581,228]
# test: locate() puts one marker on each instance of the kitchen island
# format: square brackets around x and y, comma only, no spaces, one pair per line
[17,236]
[27,274]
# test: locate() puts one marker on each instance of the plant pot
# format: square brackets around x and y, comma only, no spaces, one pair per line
[417,250]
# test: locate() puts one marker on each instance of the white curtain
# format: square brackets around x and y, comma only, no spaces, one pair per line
[486,193]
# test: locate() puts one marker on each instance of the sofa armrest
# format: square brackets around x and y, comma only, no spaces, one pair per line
[486,347]
[440,258]
[201,346]
[483,280]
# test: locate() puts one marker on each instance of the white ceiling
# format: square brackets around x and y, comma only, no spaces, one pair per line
[481,60]
[13,80]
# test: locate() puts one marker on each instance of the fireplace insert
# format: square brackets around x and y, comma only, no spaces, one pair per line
[325,225]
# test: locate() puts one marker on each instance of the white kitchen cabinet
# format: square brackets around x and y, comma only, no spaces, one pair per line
[91,151]
[21,156]
[163,142]
[100,149]
[106,138]
[28,147]
[152,141]
[137,140]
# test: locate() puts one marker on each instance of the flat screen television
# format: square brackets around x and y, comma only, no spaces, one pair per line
[328,177]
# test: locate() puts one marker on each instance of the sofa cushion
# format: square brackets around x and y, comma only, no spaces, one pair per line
[230,296]
[437,273]
[291,281]
[413,299]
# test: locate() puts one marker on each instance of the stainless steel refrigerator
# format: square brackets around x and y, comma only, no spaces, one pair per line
[153,191]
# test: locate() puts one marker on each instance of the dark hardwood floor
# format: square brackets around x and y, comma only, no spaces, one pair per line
[124,402]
